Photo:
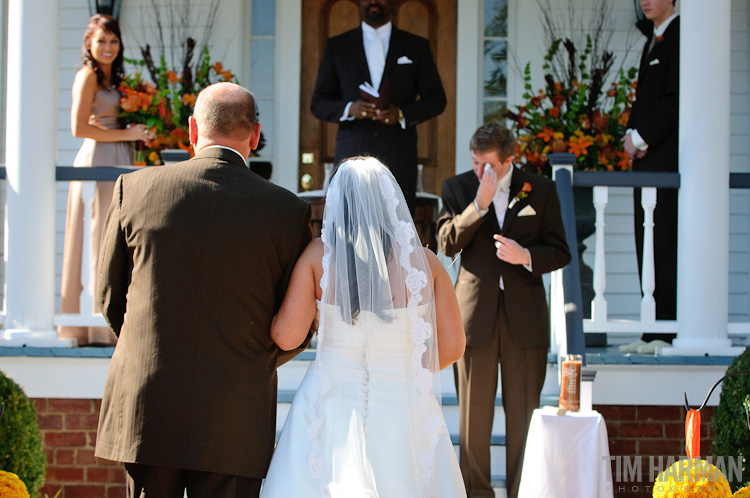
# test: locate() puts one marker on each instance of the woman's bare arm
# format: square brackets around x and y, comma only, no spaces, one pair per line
[84,90]
[292,323]
[450,329]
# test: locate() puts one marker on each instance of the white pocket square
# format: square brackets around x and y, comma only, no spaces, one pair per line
[527,211]
[653,62]
[404,60]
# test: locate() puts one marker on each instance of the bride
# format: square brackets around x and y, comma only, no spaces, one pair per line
[366,420]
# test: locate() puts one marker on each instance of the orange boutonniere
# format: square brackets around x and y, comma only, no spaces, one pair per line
[521,195]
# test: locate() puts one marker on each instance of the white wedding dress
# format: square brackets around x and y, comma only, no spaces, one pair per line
[363,416]
[366,420]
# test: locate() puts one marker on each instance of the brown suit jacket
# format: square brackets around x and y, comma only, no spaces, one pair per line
[462,229]
[194,262]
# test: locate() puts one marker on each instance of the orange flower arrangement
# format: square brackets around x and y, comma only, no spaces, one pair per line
[575,116]
[165,103]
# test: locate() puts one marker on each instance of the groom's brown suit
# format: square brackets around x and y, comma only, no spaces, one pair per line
[510,325]
[194,262]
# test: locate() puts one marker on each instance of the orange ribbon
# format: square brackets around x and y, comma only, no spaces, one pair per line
[693,433]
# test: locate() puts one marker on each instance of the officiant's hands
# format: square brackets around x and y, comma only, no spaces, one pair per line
[362,109]
[387,116]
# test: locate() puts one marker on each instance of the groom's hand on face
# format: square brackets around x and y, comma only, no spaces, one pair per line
[487,188]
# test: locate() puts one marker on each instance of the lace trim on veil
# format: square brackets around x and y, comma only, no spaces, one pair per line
[421,331]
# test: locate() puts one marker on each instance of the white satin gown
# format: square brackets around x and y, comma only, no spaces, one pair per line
[361,437]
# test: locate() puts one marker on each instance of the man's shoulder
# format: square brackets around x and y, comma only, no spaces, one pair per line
[461,178]
[406,37]
[345,37]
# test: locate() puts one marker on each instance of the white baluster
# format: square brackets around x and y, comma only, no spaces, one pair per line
[648,279]
[558,325]
[599,304]
[86,301]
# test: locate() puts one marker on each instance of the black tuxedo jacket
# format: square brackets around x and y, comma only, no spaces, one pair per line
[655,112]
[415,88]
[461,228]
[194,262]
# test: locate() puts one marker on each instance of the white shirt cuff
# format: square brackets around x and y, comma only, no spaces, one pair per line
[528,267]
[345,116]
[637,139]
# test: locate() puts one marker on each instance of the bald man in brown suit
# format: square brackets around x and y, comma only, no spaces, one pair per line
[195,259]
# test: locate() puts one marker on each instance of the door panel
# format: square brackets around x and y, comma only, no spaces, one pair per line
[325,18]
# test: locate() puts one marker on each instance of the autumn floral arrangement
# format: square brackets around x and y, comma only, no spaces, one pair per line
[575,112]
[165,102]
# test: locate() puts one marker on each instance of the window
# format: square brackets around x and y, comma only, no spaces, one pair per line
[263,71]
[495,63]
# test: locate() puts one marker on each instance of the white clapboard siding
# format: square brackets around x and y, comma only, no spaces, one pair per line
[622,292]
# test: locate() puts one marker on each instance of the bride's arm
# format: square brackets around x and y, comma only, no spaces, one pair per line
[292,323]
[450,329]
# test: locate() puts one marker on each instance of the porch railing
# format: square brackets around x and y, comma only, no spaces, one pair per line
[567,309]
[600,321]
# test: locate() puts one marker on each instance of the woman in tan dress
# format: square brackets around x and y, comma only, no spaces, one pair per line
[93,117]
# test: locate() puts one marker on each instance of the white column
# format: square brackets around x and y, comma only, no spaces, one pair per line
[287,104]
[468,80]
[703,230]
[31,142]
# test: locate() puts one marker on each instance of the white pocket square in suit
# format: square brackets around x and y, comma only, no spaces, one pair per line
[404,60]
[527,211]
[653,62]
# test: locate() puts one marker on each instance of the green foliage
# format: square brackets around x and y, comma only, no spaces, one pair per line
[731,429]
[21,450]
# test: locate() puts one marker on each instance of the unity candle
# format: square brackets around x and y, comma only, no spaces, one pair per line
[570,387]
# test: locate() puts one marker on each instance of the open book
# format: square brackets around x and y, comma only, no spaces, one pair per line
[381,99]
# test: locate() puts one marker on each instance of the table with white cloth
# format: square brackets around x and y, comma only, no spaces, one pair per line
[567,456]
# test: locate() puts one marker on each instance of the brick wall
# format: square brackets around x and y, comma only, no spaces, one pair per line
[68,430]
[649,431]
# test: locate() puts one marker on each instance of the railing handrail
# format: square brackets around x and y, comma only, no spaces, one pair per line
[656,179]
[580,178]
[96,174]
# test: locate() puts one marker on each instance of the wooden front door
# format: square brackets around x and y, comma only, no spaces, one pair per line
[432,19]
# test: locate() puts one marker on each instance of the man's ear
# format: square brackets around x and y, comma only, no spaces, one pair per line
[255,136]
[193,130]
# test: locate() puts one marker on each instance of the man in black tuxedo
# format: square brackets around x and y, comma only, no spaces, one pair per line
[651,142]
[400,67]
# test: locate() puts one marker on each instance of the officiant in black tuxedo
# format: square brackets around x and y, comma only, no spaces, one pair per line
[395,65]
[651,143]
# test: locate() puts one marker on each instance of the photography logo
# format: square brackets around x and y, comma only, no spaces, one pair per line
[637,474]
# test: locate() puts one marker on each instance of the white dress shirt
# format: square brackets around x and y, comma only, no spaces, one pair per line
[368,38]
[500,203]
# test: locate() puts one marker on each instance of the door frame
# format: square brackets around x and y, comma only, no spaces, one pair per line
[288,80]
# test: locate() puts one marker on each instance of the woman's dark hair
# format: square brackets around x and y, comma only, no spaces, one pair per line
[110,25]
[350,231]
